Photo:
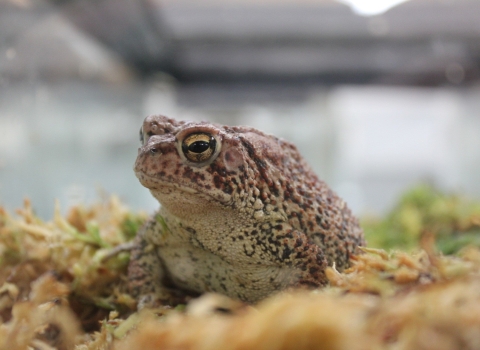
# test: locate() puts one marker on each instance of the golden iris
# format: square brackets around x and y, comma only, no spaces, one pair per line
[198,147]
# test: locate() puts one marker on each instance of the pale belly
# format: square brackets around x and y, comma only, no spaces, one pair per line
[197,270]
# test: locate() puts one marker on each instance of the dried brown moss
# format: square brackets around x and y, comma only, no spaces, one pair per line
[63,286]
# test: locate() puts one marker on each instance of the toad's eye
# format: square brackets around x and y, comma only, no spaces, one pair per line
[199,147]
[141,135]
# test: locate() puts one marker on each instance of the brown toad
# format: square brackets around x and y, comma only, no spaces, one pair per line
[242,214]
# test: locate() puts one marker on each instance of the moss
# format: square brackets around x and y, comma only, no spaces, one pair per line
[453,220]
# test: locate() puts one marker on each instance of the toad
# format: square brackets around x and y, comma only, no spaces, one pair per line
[242,214]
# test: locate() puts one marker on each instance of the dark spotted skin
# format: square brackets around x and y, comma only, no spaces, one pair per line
[251,220]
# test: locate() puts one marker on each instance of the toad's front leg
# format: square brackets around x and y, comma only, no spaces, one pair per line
[148,278]
[299,251]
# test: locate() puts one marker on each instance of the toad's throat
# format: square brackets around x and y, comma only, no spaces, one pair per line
[162,185]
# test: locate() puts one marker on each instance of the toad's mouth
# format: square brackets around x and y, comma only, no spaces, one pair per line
[166,186]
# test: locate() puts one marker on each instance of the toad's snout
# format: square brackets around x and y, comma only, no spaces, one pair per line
[155,157]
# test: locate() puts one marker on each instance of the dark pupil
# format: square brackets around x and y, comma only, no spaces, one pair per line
[199,146]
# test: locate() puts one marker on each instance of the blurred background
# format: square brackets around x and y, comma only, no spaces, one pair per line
[378,95]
